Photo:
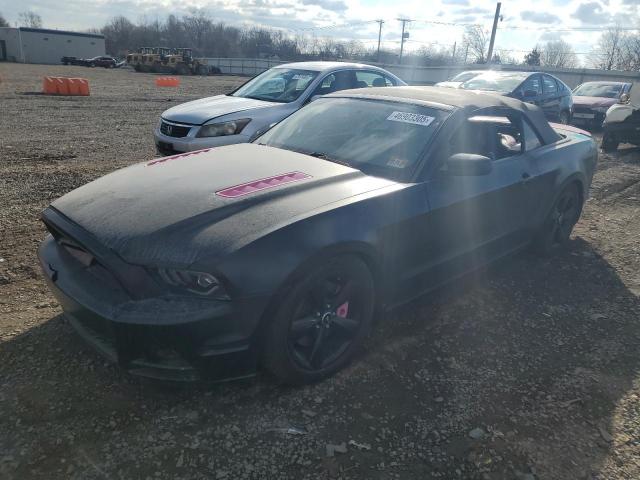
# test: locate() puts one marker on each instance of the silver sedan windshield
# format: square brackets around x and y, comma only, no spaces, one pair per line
[277,85]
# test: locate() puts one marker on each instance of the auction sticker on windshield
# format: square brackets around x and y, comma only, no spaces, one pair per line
[414,118]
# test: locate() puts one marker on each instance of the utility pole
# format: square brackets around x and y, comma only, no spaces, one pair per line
[493,32]
[380,22]
[404,21]
[453,55]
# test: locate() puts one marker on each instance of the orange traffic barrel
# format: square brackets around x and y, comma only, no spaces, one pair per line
[167,82]
[48,86]
[62,85]
[65,86]
[78,86]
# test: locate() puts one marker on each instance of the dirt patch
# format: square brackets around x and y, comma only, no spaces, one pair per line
[526,371]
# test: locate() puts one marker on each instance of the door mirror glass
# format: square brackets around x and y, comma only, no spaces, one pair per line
[468,164]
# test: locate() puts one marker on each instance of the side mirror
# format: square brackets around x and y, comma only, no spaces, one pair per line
[624,98]
[530,93]
[468,164]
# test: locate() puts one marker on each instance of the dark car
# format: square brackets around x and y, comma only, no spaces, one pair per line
[103,61]
[591,100]
[541,89]
[277,252]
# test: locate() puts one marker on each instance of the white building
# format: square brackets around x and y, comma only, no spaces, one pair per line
[38,45]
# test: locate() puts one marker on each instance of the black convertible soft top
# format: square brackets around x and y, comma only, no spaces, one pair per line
[459,99]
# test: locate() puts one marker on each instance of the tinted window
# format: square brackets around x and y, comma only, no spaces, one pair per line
[277,85]
[550,85]
[533,84]
[337,81]
[378,137]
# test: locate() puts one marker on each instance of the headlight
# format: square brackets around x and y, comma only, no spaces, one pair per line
[223,129]
[196,282]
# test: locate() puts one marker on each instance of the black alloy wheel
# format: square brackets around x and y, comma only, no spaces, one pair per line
[560,222]
[321,322]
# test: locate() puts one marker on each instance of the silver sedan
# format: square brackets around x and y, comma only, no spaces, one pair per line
[259,104]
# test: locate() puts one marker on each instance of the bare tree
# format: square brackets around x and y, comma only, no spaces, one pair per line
[505,57]
[29,19]
[558,54]
[476,40]
[606,55]
[630,53]
[3,22]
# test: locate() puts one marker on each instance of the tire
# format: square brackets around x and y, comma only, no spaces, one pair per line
[564,117]
[321,321]
[609,143]
[182,69]
[556,230]
[202,70]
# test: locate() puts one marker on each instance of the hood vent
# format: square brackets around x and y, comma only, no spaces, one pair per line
[262,184]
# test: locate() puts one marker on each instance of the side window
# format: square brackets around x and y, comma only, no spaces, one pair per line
[532,84]
[550,85]
[372,79]
[531,139]
[496,137]
[325,86]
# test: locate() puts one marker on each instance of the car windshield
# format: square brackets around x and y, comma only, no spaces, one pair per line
[606,90]
[464,76]
[382,138]
[497,82]
[277,85]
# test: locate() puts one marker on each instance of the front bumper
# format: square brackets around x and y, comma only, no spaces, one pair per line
[171,338]
[167,145]
[623,132]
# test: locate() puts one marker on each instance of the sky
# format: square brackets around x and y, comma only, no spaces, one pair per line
[524,24]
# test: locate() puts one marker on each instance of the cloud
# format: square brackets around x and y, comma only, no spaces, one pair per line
[455,2]
[331,5]
[592,13]
[539,17]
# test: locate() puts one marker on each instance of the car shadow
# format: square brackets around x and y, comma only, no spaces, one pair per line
[523,368]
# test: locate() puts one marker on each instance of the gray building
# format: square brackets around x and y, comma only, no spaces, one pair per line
[39,45]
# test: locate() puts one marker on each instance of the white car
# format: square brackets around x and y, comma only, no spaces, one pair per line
[459,79]
[259,104]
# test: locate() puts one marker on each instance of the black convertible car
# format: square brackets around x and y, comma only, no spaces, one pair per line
[276,253]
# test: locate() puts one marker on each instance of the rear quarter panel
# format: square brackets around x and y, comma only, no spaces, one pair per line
[571,159]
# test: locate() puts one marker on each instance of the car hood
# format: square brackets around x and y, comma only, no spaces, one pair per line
[593,101]
[199,111]
[176,210]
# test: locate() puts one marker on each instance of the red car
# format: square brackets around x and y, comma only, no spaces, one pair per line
[591,100]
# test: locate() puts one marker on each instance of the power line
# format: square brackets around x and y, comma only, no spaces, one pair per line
[569,29]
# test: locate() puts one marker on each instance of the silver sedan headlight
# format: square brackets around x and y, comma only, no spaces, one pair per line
[232,127]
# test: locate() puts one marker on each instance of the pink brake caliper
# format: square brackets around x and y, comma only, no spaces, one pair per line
[343,310]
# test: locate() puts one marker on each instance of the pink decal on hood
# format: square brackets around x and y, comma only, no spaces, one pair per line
[262,184]
[175,157]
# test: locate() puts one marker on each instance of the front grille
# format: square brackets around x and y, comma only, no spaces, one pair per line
[582,109]
[171,130]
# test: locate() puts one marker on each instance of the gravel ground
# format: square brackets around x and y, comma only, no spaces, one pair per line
[527,371]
